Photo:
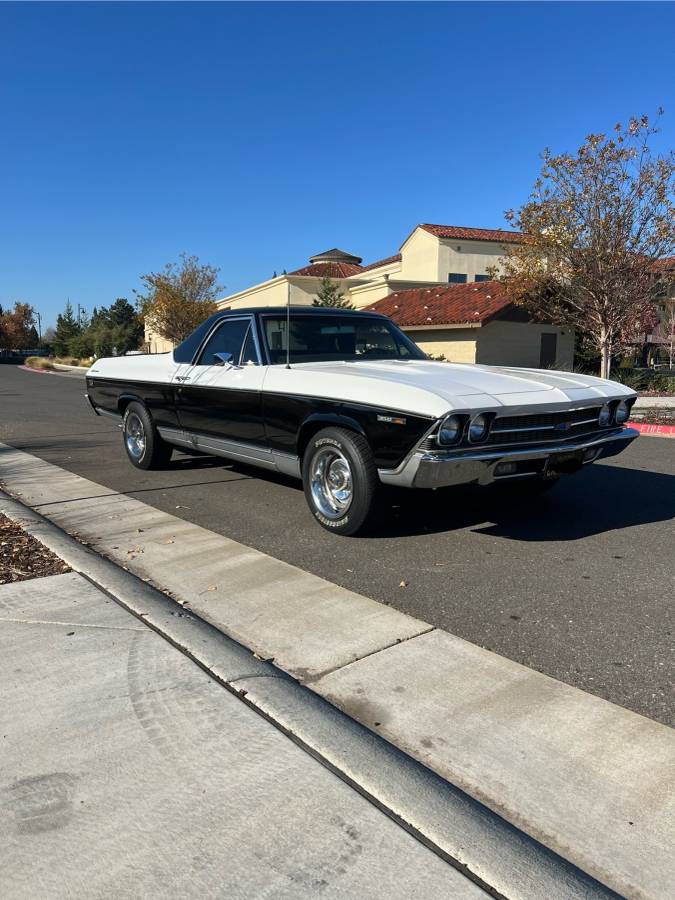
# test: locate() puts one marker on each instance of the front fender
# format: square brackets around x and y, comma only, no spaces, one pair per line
[319,420]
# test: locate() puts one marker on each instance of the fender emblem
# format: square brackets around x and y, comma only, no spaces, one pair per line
[393,420]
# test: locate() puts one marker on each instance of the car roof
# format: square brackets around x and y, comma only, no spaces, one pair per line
[305,310]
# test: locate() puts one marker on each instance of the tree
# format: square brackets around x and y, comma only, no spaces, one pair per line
[48,336]
[179,298]
[67,328]
[17,327]
[331,295]
[595,224]
[665,331]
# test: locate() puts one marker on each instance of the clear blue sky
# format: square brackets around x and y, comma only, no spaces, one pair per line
[256,134]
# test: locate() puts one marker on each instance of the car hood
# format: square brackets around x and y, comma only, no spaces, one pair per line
[434,388]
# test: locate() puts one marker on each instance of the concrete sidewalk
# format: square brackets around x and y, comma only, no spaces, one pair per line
[643,403]
[127,771]
[584,777]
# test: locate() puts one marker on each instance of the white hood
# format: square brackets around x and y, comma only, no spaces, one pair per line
[435,388]
[419,387]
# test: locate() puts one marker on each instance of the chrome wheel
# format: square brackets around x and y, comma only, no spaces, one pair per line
[331,482]
[135,436]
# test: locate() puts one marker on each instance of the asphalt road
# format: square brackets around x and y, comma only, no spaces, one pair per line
[578,584]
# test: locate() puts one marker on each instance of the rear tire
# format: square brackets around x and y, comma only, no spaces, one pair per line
[144,447]
[340,480]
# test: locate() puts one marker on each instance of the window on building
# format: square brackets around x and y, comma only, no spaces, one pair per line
[481,278]
[456,278]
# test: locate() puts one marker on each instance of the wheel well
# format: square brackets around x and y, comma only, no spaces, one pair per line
[123,402]
[309,429]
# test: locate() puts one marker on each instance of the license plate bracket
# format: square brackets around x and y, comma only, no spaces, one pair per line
[565,462]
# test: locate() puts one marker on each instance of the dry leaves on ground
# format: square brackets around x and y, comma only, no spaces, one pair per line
[23,557]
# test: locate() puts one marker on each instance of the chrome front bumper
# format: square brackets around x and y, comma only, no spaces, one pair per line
[435,469]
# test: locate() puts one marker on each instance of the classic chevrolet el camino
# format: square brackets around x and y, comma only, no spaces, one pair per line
[352,403]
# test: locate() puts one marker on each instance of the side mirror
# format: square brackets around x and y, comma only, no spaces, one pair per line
[222,359]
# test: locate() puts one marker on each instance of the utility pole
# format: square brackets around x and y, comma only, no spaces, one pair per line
[39,324]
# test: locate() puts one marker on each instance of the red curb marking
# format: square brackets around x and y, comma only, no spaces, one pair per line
[656,430]
[37,371]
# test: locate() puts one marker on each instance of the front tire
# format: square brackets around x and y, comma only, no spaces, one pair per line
[340,480]
[144,447]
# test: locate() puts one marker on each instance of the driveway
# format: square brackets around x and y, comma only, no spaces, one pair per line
[577,585]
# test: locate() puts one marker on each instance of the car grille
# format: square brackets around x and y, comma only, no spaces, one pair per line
[535,429]
[525,430]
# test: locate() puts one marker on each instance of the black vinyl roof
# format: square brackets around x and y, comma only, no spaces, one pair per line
[305,310]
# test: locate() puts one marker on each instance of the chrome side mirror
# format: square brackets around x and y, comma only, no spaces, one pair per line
[222,359]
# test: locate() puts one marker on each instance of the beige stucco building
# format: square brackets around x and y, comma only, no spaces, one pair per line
[431,254]
[430,258]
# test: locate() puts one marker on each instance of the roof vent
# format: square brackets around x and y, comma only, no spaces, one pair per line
[335,256]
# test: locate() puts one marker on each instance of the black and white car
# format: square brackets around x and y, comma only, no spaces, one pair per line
[352,404]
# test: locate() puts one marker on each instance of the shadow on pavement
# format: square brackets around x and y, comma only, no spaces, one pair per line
[599,499]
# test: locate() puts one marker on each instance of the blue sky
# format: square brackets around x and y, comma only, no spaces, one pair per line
[254,135]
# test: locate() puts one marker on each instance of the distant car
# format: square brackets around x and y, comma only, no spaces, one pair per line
[353,404]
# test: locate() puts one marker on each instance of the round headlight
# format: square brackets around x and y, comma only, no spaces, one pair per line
[478,429]
[450,430]
[605,417]
[622,413]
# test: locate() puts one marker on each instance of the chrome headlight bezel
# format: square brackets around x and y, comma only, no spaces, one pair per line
[622,412]
[480,436]
[605,416]
[456,423]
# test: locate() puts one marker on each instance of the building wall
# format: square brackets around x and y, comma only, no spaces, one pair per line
[154,343]
[467,257]
[519,344]
[363,295]
[457,345]
[304,291]
[269,293]
[419,257]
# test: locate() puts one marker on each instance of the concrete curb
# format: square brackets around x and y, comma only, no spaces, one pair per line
[37,371]
[467,835]
[59,369]
[583,777]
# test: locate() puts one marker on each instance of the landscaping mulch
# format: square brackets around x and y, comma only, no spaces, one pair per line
[655,417]
[23,557]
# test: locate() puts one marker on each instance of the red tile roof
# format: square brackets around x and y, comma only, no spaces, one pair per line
[474,234]
[332,270]
[456,304]
[382,262]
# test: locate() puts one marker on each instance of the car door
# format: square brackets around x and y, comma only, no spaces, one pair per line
[218,397]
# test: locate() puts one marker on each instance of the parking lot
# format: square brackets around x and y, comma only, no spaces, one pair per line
[577,584]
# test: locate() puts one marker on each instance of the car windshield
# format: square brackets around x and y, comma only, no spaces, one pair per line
[326,338]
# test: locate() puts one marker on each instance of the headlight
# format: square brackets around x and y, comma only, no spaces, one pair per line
[478,429]
[450,430]
[605,417]
[622,412]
